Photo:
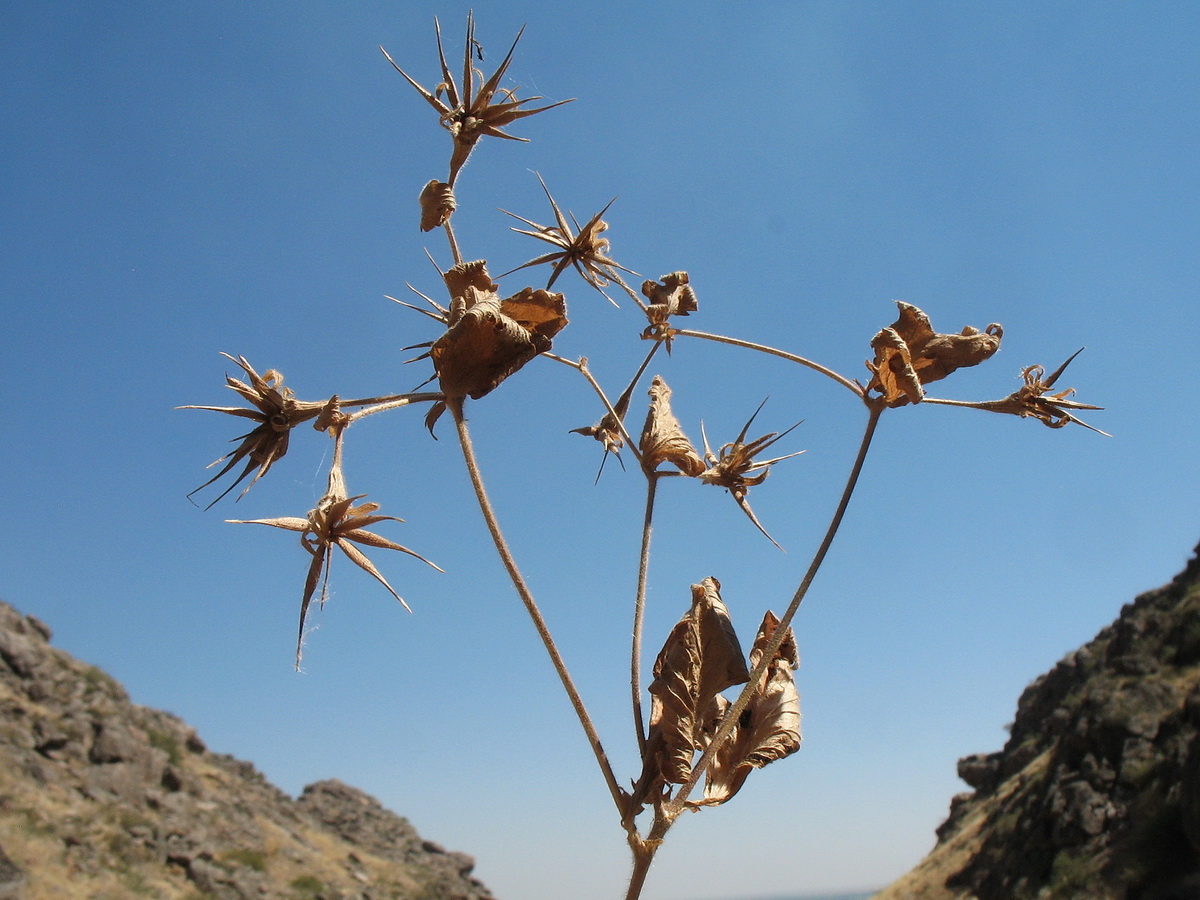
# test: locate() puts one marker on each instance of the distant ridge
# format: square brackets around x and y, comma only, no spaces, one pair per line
[105,800]
[1096,794]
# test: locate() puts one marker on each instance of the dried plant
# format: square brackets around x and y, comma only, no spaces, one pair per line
[714,715]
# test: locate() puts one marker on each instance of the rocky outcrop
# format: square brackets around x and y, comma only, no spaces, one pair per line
[105,799]
[1096,794]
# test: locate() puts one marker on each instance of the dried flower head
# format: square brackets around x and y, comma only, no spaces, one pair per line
[736,469]
[663,439]
[336,522]
[277,412]
[1033,399]
[468,114]
[910,354]
[581,247]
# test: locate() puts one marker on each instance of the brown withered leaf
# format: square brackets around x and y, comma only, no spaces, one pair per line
[700,658]
[769,727]
[437,204]
[489,339]
[910,354]
[672,295]
[663,439]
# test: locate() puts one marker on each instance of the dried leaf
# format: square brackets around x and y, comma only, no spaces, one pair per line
[769,727]
[437,204]
[700,658]
[485,343]
[910,354]
[663,439]
[672,296]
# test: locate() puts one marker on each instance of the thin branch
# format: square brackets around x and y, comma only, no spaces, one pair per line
[749,345]
[394,403]
[453,242]
[620,797]
[639,612]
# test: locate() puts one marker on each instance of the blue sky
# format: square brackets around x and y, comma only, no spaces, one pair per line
[183,179]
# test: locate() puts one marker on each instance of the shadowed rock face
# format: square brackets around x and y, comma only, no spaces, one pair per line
[105,799]
[1096,794]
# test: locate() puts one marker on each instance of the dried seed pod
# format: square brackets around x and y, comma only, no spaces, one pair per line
[581,247]
[663,439]
[910,354]
[437,205]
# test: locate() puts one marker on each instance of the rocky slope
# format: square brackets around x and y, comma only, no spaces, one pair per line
[104,799]
[1096,794]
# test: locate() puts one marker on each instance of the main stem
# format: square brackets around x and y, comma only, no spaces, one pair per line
[455,404]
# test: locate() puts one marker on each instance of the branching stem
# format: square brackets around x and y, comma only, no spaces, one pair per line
[455,405]
[783,354]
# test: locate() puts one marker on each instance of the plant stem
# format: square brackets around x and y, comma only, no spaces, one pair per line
[453,243]
[749,345]
[876,406]
[385,403]
[455,404]
[639,611]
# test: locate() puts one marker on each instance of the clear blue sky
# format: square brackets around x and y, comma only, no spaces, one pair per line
[183,179]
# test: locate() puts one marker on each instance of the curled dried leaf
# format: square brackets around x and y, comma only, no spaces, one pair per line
[468,274]
[769,727]
[700,658]
[437,204]
[663,439]
[276,412]
[672,295]
[910,354]
[489,339]
[469,113]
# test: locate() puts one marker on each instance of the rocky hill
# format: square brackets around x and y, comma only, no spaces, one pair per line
[1096,794]
[104,799]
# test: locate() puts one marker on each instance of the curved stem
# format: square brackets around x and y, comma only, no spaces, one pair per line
[876,407]
[639,611]
[385,403]
[455,404]
[762,348]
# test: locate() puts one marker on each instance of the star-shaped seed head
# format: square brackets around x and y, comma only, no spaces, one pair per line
[1033,399]
[578,246]
[336,522]
[467,112]
[735,468]
[276,412]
